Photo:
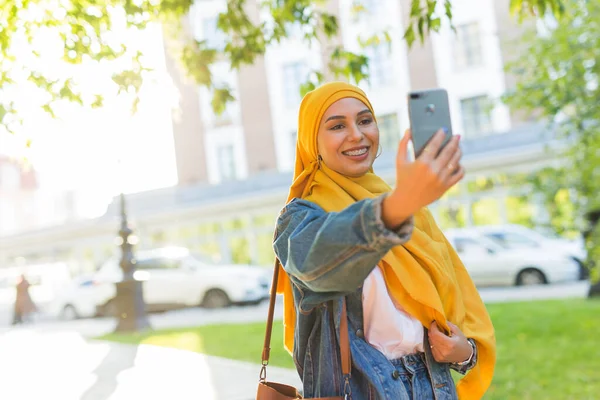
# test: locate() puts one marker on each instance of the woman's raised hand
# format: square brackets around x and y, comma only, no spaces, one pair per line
[421,182]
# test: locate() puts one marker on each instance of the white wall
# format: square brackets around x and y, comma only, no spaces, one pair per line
[227,135]
[226,129]
[385,100]
[386,15]
[487,79]
[285,117]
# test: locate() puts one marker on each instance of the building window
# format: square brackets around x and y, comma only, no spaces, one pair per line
[214,37]
[467,48]
[226,160]
[294,75]
[380,65]
[389,131]
[476,115]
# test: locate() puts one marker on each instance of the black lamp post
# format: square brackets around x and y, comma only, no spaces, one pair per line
[131,310]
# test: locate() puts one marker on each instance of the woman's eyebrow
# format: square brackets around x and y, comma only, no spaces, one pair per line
[335,117]
[365,111]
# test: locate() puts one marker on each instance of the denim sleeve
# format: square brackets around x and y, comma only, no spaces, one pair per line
[334,252]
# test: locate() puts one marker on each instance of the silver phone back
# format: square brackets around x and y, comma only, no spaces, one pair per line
[429,111]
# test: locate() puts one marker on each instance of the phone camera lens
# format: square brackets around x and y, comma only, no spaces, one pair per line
[415,95]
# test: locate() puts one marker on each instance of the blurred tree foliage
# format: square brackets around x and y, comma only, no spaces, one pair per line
[558,78]
[76,32]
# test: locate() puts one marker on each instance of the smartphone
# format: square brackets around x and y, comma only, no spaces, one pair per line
[428,111]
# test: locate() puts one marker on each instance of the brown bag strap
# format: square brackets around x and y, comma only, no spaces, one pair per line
[344,339]
[267,345]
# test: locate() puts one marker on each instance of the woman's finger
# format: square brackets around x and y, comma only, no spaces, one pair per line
[434,331]
[434,351]
[447,153]
[402,155]
[432,148]
[454,329]
[458,175]
[451,167]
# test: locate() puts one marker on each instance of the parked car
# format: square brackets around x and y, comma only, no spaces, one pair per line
[491,264]
[79,298]
[513,236]
[172,278]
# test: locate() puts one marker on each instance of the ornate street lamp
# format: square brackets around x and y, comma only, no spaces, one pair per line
[129,300]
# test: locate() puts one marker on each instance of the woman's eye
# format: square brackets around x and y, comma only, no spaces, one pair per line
[366,121]
[336,127]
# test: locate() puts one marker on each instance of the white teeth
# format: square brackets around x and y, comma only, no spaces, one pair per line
[358,152]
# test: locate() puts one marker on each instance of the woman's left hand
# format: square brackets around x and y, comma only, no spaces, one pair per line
[449,349]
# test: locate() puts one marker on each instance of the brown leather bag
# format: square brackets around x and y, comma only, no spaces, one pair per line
[278,391]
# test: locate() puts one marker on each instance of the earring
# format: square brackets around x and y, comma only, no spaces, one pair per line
[380,151]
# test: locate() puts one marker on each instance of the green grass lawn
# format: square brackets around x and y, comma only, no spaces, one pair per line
[546,350]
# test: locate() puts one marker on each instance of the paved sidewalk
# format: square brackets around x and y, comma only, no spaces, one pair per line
[65,366]
[49,361]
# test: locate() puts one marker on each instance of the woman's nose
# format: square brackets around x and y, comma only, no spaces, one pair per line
[354,133]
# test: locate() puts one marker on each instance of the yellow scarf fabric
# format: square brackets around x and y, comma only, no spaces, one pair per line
[425,274]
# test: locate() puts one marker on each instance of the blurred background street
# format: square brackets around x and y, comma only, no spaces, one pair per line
[70,364]
[93,327]
[147,148]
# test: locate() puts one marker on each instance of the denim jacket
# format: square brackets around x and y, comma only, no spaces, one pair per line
[327,257]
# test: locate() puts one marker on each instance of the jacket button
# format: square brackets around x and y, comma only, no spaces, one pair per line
[395,374]
[360,333]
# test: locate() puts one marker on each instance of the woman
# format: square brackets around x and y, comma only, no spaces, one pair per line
[24,305]
[346,236]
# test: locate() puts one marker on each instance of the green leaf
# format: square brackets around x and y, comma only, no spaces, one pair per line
[415,8]
[98,101]
[307,87]
[135,105]
[420,29]
[330,25]
[448,9]
[409,36]
[48,108]
[221,96]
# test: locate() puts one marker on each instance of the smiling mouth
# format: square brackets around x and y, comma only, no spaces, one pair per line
[356,152]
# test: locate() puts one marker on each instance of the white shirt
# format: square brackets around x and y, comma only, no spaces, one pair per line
[387,326]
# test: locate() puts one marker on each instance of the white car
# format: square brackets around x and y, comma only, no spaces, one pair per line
[172,278]
[490,264]
[79,298]
[513,236]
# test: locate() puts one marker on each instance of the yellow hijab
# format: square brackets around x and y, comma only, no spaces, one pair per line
[425,274]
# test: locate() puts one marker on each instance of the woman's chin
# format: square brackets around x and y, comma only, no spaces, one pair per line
[357,171]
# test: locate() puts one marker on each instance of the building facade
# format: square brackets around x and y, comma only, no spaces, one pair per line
[257,131]
[233,221]
[234,169]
